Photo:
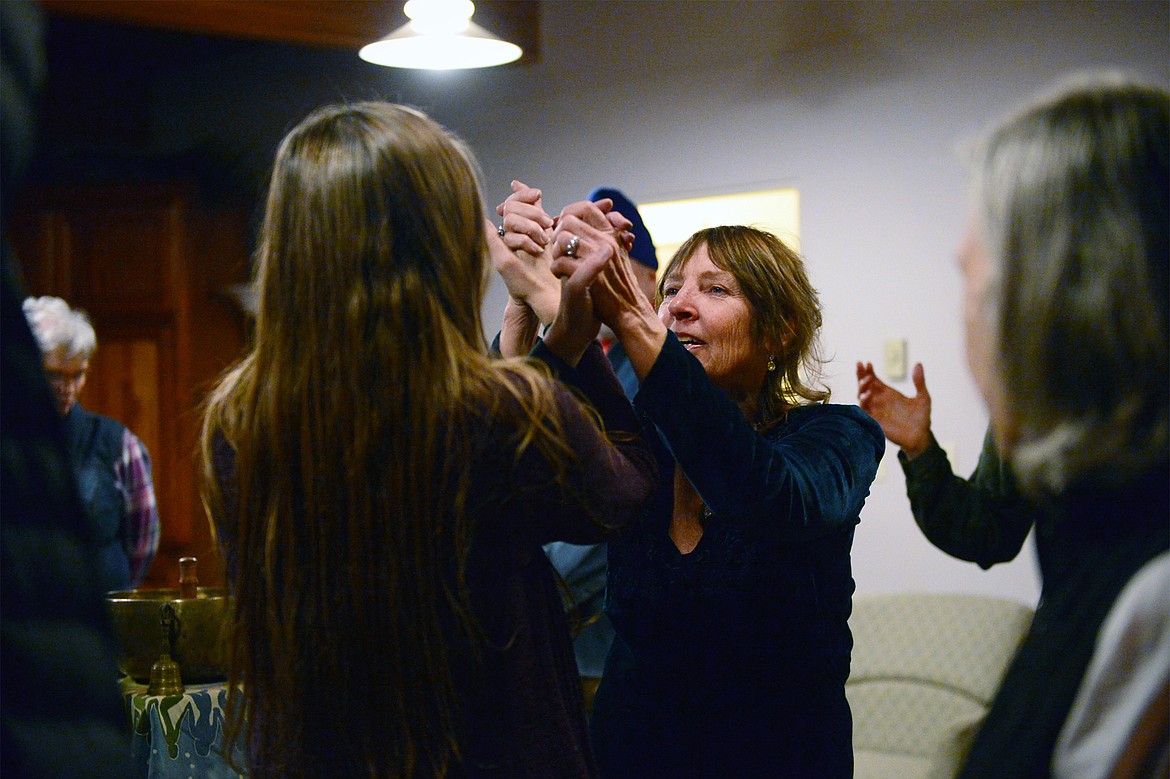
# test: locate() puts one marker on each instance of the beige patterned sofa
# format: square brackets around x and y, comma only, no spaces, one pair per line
[925,668]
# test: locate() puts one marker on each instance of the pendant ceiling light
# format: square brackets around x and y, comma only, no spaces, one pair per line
[440,36]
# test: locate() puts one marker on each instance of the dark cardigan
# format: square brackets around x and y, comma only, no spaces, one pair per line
[731,660]
[1089,542]
[523,709]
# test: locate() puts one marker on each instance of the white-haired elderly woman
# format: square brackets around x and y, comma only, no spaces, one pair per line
[111,464]
[1065,267]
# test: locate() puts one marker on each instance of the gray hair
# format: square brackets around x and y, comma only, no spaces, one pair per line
[1074,204]
[58,327]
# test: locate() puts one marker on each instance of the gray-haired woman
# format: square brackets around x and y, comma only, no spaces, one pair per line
[1065,265]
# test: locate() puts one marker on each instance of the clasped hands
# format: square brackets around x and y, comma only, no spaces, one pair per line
[573,294]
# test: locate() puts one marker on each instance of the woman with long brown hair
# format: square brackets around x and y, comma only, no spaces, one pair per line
[381,488]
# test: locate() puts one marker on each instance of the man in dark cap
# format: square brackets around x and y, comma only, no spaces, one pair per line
[583,568]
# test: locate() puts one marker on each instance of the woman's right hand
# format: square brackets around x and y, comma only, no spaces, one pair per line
[602,231]
[615,295]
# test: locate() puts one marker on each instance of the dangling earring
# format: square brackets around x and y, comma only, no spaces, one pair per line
[771,365]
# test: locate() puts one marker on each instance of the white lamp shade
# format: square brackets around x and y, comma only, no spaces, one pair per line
[474,47]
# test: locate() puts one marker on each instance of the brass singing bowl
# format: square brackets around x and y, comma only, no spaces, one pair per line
[196,638]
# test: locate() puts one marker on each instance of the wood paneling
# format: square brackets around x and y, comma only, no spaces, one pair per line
[144,239]
[330,23]
[326,23]
[149,263]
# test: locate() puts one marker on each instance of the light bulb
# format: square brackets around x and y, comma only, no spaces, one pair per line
[440,36]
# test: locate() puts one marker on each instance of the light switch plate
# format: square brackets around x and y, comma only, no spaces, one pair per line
[895,349]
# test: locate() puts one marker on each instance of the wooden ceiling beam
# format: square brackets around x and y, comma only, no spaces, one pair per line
[323,23]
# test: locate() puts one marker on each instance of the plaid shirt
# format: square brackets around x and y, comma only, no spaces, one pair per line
[141,527]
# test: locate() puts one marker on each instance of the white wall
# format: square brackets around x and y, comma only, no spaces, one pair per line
[859,105]
[866,128]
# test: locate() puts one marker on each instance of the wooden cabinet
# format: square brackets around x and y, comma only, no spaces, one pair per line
[151,265]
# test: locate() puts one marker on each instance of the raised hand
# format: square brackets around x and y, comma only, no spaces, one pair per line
[618,222]
[615,296]
[602,207]
[584,244]
[520,255]
[527,227]
[904,420]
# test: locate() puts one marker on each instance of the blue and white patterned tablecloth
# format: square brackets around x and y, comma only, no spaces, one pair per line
[180,736]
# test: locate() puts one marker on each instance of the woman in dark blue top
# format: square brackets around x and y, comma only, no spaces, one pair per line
[731,596]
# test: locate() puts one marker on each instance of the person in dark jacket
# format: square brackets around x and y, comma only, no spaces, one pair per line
[583,568]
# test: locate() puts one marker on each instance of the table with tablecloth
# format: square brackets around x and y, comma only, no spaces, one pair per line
[179,735]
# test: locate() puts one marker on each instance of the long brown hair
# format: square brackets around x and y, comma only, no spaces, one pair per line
[786,311]
[350,530]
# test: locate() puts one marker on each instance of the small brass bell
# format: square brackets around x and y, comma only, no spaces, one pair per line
[165,678]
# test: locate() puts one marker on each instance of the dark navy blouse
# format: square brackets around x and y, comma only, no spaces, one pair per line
[731,660]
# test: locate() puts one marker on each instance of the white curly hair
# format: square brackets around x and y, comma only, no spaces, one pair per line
[58,327]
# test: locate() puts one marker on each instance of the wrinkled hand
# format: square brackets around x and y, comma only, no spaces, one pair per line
[615,290]
[620,224]
[597,247]
[613,295]
[904,420]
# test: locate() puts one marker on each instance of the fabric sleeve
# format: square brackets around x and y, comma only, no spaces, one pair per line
[596,383]
[583,569]
[1124,689]
[140,528]
[611,472]
[807,482]
[983,519]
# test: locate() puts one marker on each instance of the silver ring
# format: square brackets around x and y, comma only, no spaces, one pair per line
[501,230]
[571,246]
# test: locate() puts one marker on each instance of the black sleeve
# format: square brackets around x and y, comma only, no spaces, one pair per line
[983,519]
[810,481]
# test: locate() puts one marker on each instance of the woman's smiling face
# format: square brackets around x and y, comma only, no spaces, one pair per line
[704,306]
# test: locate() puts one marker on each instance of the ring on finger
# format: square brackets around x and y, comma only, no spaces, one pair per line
[501,230]
[571,246]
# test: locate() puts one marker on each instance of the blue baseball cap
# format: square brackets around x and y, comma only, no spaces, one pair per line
[643,251]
